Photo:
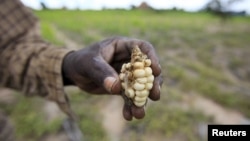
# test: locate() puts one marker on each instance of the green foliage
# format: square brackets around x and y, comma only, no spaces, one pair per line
[168,121]
[89,118]
[188,45]
[30,124]
[236,63]
[210,89]
[48,33]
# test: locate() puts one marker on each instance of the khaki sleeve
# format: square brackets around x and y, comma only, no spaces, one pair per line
[33,66]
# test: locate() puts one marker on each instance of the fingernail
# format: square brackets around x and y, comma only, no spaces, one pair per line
[109,83]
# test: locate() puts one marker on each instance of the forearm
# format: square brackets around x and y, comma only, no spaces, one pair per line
[34,67]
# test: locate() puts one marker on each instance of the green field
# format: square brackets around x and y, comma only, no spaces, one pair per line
[202,57]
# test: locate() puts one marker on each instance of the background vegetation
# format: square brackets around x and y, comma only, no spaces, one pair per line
[202,58]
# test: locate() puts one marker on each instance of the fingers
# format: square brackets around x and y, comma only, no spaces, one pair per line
[127,113]
[149,50]
[156,90]
[112,85]
[119,49]
[137,112]
[130,111]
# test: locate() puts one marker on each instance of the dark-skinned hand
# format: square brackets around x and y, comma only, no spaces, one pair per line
[95,69]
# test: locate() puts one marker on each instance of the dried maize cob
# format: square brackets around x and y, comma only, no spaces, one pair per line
[137,78]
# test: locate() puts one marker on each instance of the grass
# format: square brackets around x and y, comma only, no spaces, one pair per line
[48,33]
[30,124]
[191,48]
[86,107]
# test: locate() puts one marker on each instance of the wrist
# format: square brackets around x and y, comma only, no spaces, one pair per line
[66,69]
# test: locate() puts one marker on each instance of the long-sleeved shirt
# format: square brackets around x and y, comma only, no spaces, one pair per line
[28,63]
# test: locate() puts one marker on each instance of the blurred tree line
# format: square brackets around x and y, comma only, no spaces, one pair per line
[221,8]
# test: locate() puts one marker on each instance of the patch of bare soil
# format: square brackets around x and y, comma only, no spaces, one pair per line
[220,114]
[57,137]
[112,118]
[7,96]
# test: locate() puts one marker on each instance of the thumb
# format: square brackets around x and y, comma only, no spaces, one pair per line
[105,75]
[112,85]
